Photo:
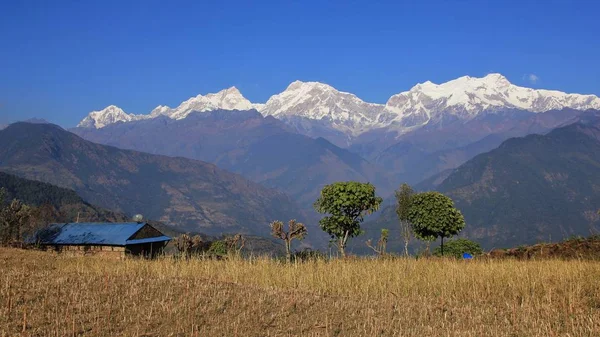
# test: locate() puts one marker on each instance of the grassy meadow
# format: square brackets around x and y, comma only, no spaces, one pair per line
[42,294]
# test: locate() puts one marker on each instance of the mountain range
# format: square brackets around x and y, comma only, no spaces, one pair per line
[414,136]
[462,99]
[194,195]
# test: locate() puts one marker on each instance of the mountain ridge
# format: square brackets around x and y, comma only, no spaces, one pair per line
[194,195]
[425,103]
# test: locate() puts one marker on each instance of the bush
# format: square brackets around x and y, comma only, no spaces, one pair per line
[308,255]
[456,248]
[218,248]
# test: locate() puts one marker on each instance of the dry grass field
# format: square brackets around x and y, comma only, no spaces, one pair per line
[45,295]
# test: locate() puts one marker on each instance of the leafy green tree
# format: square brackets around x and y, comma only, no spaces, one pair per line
[403,201]
[459,246]
[296,230]
[433,215]
[346,203]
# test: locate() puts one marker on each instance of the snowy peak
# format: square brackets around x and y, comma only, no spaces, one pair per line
[466,97]
[109,115]
[463,98]
[319,101]
[228,99]
[161,110]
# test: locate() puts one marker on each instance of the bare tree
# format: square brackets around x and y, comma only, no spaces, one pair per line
[187,244]
[296,230]
[403,200]
[380,249]
[235,244]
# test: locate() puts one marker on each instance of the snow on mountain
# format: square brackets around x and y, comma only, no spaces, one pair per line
[461,99]
[314,100]
[228,99]
[161,110]
[109,115]
[466,97]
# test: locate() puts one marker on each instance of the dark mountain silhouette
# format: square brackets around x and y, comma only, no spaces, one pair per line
[57,203]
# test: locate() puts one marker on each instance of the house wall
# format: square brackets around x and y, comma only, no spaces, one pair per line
[148,250]
[116,252]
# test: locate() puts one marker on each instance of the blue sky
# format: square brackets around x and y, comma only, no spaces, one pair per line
[60,60]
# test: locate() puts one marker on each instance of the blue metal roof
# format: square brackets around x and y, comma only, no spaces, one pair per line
[113,234]
[148,240]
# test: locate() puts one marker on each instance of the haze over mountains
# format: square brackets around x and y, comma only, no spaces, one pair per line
[191,194]
[415,135]
[262,149]
[529,189]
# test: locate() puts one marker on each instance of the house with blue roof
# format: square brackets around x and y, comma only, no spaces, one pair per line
[117,240]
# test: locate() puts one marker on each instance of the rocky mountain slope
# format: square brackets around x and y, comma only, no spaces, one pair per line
[191,194]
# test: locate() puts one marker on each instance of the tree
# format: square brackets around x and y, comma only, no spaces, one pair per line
[381,243]
[403,201]
[14,221]
[457,247]
[187,244]
[235,243]
[346,203]
[296,230]
[433,215]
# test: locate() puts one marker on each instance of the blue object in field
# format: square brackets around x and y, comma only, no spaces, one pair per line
[467,256]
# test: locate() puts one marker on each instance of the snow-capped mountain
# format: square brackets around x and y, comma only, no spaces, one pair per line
[426,103]
[467,97]
[109,115]
[318,101]
[228,99]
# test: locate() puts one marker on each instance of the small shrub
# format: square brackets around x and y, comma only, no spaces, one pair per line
[308,255]
[456,248]
[218,248]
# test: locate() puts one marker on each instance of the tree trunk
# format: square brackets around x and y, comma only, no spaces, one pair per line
[442,245]
[342,245]
[288,253]
[406,248]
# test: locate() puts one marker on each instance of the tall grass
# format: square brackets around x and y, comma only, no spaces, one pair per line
[45,295]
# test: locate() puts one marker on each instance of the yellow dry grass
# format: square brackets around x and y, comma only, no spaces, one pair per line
[45,295]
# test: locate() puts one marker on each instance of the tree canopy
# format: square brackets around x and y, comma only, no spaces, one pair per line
[346,203]
[433,215]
